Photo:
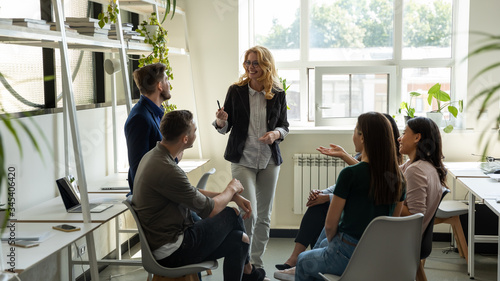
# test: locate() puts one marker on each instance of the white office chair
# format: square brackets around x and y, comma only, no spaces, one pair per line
[449,212]
[388,250]
[188,272]
[202,183]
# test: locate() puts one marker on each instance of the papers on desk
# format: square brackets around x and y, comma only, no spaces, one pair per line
[36,236]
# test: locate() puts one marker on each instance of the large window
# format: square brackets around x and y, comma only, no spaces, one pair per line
[369,54]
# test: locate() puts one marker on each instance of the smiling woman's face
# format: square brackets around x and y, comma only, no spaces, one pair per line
[252,66]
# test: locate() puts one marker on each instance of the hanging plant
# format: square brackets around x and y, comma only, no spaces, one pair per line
[110,15]
[158,40]
[168,6]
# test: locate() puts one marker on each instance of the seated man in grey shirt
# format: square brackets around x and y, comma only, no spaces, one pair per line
[163,198]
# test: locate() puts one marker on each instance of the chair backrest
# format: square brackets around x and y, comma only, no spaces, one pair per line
[149,262]
[203,180]
[388,250]
[426,247]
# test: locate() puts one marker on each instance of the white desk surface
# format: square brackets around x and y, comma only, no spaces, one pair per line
[120,179]
[465,169]
[53,210]
[482,188]
[493,205]
[57,240]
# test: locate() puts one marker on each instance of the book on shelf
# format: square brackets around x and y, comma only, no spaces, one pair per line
[125,26]
[95,35]
[5,21]
[32,25]
[68,29]
[86,22]
[91,30]
[130,38]
[20,20]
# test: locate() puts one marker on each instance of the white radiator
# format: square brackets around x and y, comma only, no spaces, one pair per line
[313,171]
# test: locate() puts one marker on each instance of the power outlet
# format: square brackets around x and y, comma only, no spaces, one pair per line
[82,249]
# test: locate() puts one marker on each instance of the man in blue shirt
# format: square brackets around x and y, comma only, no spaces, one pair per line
[142,128]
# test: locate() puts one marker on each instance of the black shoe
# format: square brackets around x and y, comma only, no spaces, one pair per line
[283,266]
[257,274]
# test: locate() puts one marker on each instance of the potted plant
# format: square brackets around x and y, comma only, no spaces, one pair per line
[410,111]
[158,41]
[443,101]
[285,88]
[110,15]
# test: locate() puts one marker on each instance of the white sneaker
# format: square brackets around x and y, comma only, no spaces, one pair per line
[287,274]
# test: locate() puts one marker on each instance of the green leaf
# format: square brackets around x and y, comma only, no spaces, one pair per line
[453,110]
[415,94]
[8,123]
[435,89]
[448,129]
[411,112]
[101,23]
[442,96]
[461,105]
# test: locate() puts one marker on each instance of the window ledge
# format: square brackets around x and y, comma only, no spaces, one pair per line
[321,130]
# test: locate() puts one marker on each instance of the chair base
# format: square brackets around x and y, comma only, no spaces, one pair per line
[190,277]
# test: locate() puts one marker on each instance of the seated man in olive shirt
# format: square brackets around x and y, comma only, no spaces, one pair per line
[163,198]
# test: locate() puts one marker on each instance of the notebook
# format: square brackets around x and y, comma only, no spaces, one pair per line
[71,197]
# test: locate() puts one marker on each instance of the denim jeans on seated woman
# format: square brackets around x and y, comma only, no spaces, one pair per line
[211,239]
[326,257]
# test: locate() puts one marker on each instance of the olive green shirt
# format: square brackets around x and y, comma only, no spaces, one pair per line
[163,198]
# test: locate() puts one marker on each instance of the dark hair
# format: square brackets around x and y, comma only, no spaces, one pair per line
[147,77]
[386,178]
[429,148]
[395,132]
[175,123]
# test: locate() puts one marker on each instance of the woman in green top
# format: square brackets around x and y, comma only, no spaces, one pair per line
[373,187]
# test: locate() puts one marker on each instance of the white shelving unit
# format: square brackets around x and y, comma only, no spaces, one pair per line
[11,34]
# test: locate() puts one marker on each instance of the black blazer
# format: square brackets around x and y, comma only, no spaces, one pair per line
[237,105]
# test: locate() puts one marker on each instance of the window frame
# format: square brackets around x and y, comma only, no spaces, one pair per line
[457,61]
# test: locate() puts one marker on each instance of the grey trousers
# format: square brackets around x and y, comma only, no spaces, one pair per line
[260,186]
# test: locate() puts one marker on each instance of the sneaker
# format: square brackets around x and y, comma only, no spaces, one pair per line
[257,274]
[283,266]
[286,274]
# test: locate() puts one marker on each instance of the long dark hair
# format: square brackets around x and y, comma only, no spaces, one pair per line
[379,147]
[395,132]
[429,148]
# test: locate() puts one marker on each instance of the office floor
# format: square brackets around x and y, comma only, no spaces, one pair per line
[441,265]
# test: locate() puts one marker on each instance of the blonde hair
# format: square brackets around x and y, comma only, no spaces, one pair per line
[269,78]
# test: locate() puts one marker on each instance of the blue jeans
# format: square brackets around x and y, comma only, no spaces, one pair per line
[326,257]
[211,239]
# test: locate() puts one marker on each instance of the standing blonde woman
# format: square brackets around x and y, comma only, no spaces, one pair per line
[255,114]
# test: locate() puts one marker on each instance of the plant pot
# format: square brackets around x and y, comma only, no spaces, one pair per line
[437,117]
[151,30]
[407,118]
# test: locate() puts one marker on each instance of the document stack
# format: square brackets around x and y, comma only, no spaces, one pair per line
[66,26]
[31,23]
[128,34]
[5,21]
[88,26]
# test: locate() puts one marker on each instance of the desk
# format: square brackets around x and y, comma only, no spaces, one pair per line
[55,241]
[495,207]
[463,170]
[53,210]
[120,179]
[486,189]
